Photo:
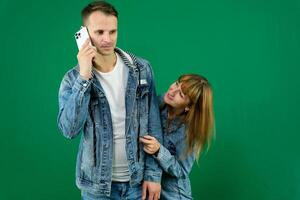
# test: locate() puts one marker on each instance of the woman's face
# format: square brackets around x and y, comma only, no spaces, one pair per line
[175,97]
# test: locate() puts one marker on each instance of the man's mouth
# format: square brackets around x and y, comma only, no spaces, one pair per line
[106,47]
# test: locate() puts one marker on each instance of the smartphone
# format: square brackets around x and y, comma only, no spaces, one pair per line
[81,36]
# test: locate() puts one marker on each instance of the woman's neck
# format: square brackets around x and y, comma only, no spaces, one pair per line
[174,113]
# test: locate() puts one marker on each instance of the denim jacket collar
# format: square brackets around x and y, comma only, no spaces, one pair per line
[128,59]
[169,126]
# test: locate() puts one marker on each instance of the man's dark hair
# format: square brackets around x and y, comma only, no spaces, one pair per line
[101,6]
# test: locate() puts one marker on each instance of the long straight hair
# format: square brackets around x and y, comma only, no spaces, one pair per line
[199,119]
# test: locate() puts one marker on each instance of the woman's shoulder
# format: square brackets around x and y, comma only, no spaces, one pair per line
[160,100]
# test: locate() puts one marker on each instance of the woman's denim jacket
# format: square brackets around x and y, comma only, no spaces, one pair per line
[83,106]
[172,158]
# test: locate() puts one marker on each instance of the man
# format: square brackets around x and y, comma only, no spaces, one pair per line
[111,96]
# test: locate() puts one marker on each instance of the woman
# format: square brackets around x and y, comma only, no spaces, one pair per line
[188,122]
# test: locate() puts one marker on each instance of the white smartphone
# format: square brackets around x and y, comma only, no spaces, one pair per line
[81,36]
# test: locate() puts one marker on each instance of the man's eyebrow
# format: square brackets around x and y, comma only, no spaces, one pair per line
[98,30]
[104,30]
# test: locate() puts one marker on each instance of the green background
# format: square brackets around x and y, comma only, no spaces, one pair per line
[249,50]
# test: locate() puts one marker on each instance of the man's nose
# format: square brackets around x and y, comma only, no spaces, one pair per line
[106,37]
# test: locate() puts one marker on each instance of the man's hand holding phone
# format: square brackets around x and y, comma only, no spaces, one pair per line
[86,53]
[85,58]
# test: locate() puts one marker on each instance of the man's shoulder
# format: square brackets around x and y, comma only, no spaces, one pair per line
[143,63]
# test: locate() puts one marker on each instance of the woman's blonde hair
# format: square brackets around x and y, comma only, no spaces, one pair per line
[199,119]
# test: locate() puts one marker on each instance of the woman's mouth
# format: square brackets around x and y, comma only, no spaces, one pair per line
[169,96]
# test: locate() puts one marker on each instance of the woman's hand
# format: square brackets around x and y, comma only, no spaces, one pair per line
[151,145]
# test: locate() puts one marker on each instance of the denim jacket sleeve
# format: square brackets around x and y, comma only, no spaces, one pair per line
[179,168]
[153,171]
[74,97]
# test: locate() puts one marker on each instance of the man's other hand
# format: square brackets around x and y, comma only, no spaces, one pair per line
[152,190]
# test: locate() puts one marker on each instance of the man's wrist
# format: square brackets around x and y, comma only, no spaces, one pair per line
[86,77]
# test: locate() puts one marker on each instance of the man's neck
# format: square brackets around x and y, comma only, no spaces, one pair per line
[105,63]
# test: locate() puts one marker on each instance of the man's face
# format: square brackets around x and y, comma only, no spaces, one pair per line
[103,30]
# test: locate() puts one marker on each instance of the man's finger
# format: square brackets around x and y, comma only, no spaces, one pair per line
[85,45]
[151,196]
[93,47]
[144,191]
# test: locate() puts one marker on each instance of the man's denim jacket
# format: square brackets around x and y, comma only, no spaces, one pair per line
[83,106]
[172,157]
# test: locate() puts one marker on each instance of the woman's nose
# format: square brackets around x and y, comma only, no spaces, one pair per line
[173,92]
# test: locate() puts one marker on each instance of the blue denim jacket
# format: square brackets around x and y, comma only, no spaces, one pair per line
[172,158]
[83,106]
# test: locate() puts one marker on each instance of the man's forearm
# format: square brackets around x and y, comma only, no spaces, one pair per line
[73,102]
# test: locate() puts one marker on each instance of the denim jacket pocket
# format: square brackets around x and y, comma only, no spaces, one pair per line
[89,157]
[142,98]
[87,154]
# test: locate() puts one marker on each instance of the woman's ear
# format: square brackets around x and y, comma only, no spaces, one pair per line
[186,109]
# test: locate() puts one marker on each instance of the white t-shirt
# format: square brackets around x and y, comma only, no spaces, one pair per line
[114,85]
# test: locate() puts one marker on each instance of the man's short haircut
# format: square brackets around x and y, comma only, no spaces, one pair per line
[101,6]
